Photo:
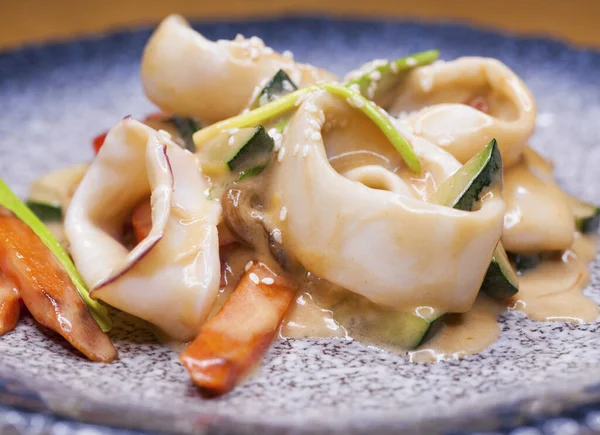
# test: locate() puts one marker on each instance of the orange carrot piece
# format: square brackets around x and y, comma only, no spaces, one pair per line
[10,305]
[236,338]
[47,289]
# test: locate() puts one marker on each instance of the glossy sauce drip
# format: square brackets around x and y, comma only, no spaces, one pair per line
[553,290]
[463,334]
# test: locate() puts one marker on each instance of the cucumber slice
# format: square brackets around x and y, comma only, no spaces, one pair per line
[362,318]
[464,188]
[186,127]
[46,212]
[462,191]
[500,281]
[9,200]
[378,81]
[587,216]
[244,151]
[523,263]
[281,84]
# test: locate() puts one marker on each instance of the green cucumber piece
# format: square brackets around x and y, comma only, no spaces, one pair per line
[46,212]
[500,281]
[186,127]
[362,318]
[523,263]
[281,84]
[465,187]
[462,191]
[587,216]
[256,152]
[380,80]
[244,151]
[9,200]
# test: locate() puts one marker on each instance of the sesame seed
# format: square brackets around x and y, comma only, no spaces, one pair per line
[427,83]
[310,107]
[268,281]
[321,116]
[254,53]
[444,141]
[164,134]
[283,213]
[280,154]
[231,140]
[357,101]
[354,87]
[296,150]
[233,130]
[268,50]
[248,265]
[272,132]
[314,123]
[371,90]
[305,149]
[288,55]
[239,37]
[277,236]
[375,75]
[411,61]
[315,135]
[418,127]
[350,102]
[277,143]
[254,278]
[255,40]
[287,86]
[394,67]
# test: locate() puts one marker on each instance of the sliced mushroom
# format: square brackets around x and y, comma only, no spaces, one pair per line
[171,277]
[186,74]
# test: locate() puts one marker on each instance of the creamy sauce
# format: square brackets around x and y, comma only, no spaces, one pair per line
[552,291]
[463,334]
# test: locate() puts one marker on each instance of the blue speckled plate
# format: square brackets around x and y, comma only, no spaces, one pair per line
[55,98]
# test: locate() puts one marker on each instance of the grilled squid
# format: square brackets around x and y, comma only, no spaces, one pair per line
[463,104]
[186,74]
[171,277]
[389,246]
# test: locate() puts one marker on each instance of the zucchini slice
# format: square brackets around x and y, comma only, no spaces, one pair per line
[46,212]
[464,188]
[281,84]
[244,151]
[186,128]
[587,216]
[362,318]
[462,191]
[9,200]
[500,281]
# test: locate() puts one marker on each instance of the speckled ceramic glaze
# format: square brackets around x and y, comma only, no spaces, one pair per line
[54,99]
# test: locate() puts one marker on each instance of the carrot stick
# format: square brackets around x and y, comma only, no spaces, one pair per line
[236,338]
[10,305]
[47,289]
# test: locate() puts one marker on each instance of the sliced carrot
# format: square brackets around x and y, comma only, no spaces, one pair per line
[236,338]
[47,289]
[10,305]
